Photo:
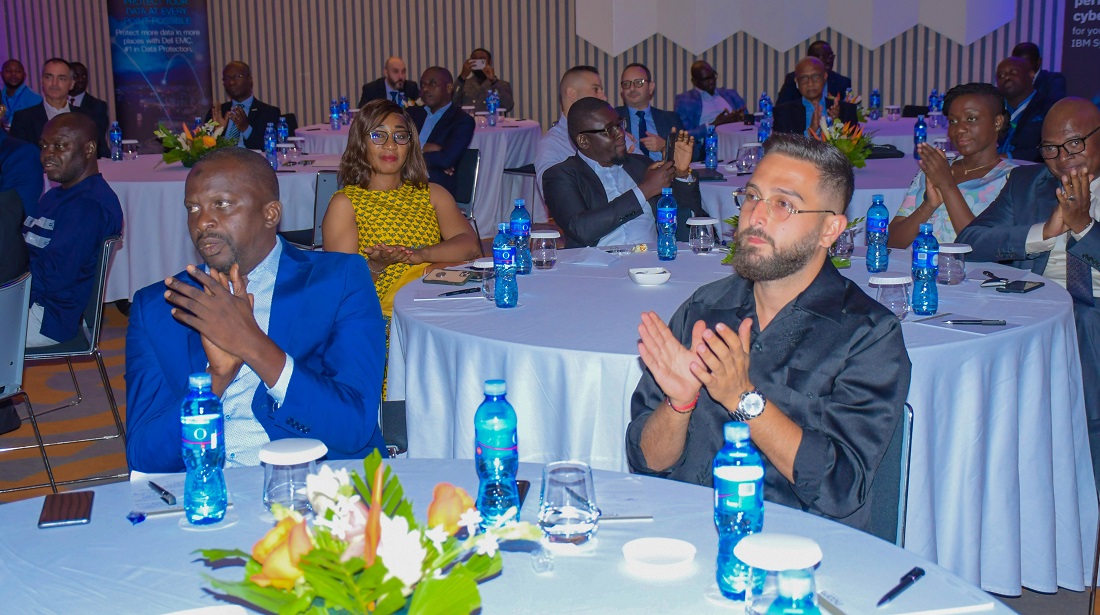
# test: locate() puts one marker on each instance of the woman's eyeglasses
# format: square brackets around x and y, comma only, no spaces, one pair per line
[401,137]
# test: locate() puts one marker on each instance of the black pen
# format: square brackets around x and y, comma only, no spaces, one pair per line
[906,582]
[164,494]
[464,291]
[990,323]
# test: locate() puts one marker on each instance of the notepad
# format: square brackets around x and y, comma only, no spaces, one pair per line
[148,501]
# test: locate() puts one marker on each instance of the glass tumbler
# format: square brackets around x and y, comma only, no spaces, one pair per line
[298,149]
[130,149]
[845,244]
[952,263]
[894,290]
[567,510]
[940,143]
[893,112]
[488,273]
[747,156]
[701,234]
[286,464]
[283,150]
[544,249]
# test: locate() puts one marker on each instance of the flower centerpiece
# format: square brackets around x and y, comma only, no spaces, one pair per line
[188,146]
[365,552]
[848,138]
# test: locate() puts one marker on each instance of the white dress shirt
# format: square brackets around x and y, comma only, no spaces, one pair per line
[1056,263]
[244,435]
[713,104]
[616,181]
[552,148]
[52,112]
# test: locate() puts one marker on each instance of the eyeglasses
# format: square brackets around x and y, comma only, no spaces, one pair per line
[1073,146]
[611,130]
[778,210]
[379,137]
[626,85]
[814,78]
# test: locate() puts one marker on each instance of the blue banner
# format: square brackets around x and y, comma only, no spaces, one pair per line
[160,54]
[1081,49]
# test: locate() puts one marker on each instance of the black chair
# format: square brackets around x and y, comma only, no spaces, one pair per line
[890,490]
[395,431]
[466,176]
[527,170]
[914,110]
[311,238]
[291,122]
[82,346]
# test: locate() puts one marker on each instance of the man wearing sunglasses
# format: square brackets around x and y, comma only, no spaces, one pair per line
[1045,219]
[445,130]
[603,196]
[786,344]
[648,126]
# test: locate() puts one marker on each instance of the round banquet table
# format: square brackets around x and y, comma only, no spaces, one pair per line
[155,240]
[510,144]
[889,177]
[112,566]
[1001,489]
[898,133]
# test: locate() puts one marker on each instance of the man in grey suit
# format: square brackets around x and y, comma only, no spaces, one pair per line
[603,196]
[649,126]
[1045,220]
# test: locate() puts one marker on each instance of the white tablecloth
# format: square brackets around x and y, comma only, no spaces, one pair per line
[156,243]
[510,144]
[889,177]
[899,134]
[110,566]
[1001,491]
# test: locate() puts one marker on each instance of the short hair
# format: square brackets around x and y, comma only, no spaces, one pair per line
[816,46]
[569,74]
[836,173]
[82,124]
[1028,51]
[355,170]
[441,71]
[73,65]
[645,69]
[580,110]
[1000,105]
[58,61]
[257,171]
[486,51]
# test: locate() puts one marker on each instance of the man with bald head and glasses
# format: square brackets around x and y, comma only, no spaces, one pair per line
[804,115]
[603,196]
[1045,219]
[647,125]
[786,344]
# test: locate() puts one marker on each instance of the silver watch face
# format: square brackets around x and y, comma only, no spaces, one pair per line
[752,404]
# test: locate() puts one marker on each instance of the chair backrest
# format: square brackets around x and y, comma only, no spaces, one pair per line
[15,304]
[93,312]
[466,179]
[890,490]
[914,110]
[291,122]
[326,187]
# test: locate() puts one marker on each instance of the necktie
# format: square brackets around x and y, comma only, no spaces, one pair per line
[394,95]
[72,101]
[231,131]
[641,133]
[1078,277]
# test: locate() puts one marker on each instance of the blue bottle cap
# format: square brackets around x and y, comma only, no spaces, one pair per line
[495,387]
[520,203]
[666,191]
[735,431]
[502,227]
[200,380]
[926,228]
[877,198]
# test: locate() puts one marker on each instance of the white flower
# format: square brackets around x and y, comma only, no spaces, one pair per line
[438,536]
[470,520]
[487,545]
[400,550]
[323,489]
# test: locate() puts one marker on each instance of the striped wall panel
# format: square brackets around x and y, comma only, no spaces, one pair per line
[304,52]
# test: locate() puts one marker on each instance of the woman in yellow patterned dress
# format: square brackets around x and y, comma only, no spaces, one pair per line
[387,210]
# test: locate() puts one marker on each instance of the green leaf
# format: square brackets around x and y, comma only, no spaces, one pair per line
[394,503]
[454,593]
[267,598]
[216,555]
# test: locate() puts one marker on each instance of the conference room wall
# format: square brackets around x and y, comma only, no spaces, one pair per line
[304,52]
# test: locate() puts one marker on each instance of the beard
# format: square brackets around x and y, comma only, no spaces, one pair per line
[752,264]
[618,159]
[226,264]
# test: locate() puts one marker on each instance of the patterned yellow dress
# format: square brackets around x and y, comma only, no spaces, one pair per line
[404,216]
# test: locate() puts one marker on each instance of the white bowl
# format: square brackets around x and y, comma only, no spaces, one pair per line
[659,558]
[650,276]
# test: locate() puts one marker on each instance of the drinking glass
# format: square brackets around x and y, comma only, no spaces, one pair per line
[701,235]
[287,463]
[952,268]
[283,150]
[568,512]
[936,119]
[469,110]
[488,277]
[844,245]
[747,156]
[544,249]
[894,291]
[297,150]
[893,112]
[940,143]
[130,149]
[482,119]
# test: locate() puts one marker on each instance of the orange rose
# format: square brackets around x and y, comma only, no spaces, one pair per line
[279,551]
[209,141]
[448,504]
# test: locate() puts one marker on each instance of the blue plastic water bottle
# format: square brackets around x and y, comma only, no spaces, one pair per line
[492,104]
[506,291]
[795,590]
[496,454]
[334,115]
[920,135]
[932,99]
[764,130]
[345,110]
[521,234]
[926,261]
[875,111]
[203,450]
[738,507]
[269,146]
[116,141]
[282,131]
[766,107]
[666,226]
[878,223]
[710,146]
[197,125]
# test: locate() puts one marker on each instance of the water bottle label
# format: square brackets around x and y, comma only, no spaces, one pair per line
[491,443]
[521,228]
[204,431]
[926,259]
[876,225]
[505,255]
[738,487]
[666,215]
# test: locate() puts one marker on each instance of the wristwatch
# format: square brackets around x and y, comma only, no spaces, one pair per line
[751,405]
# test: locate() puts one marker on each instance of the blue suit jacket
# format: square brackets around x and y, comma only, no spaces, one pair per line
[1051,85]
[1027,134]
[665,121]
[1000,232]
[324,314]
[689,106]
[453,132]
[835,83]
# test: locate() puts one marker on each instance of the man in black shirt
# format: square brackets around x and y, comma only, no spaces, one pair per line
[816,368]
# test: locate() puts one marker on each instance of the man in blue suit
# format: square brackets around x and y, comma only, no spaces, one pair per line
[1045,220]
[706,104]
[1026,108]
[294,341]
[1049,84]
[445,130]
[648,126]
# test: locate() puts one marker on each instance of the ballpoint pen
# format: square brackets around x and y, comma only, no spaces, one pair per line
[164,494]
[464,291]
[990,323]
[906,582]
